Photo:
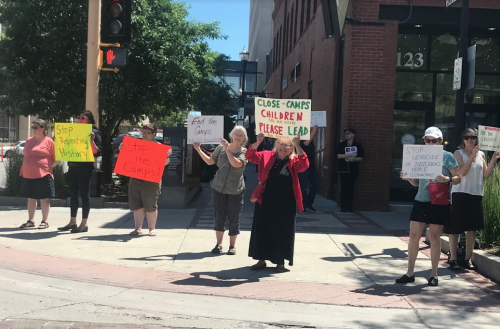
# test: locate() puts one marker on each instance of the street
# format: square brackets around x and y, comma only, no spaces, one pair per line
[343,276]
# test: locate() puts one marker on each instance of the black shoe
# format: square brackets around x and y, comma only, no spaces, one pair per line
[311,208]
[80,230]
[67,227]
[466,264]
[257,267]
[454,265]
[217,249]
[433,282]
[406,279]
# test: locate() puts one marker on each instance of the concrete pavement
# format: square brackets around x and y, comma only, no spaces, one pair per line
[345,266]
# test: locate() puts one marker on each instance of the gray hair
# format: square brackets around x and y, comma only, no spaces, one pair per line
[243,130]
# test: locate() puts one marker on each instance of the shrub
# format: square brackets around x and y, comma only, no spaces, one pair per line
[12,178]
[60,182]
[490,236]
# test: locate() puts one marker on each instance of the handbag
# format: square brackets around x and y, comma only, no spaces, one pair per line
[258,192]
[440,193]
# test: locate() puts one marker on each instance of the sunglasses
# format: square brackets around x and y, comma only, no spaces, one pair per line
[81,118]
[433,141]
[466,138]
[35,127]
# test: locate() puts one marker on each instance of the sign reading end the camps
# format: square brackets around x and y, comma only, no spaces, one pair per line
[141,159]
[283,118]
[72,142]
[422,161]
[489,138]
[205,129]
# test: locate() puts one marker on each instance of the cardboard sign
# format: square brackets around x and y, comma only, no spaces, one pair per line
[351,149]
[141,159]
[489,138]
[318,118]
[205,129]
[72,142]
[422,161]
[283,118]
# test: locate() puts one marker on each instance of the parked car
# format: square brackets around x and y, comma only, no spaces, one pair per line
[19,149]
[10,148]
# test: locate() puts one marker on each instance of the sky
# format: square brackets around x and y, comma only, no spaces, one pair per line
[233,17]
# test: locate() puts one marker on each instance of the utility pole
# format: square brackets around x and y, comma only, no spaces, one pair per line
[459,103]
[93,40]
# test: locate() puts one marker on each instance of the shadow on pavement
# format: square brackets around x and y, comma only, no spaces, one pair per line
[31,235]
[111,237]
[155,258]
[353,253]
[224,278]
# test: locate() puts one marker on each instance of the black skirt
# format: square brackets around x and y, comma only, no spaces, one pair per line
[466,213]
[425,212]
[38,188]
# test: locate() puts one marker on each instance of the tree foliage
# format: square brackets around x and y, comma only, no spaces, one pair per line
[169,65]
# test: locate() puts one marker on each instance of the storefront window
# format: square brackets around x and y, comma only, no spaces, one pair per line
[412,52]
[474,119]
[9,132]
[413,87]
[444,50]
[445,104]
[486,90]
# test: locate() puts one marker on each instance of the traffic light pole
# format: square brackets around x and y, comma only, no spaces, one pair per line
[459,104]
[93,39]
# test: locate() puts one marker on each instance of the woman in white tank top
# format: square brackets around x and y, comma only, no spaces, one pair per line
[467,197]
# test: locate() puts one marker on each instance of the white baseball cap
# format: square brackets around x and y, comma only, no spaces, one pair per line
[433,132]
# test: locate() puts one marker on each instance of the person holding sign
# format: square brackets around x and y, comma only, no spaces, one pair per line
[228,185]
[425,212]
[277,195]
[37,178]
[79,176]
[310,176]
[349,153]
[467,197]
[142,194]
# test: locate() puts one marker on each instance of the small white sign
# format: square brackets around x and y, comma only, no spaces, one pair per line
[457,76]
[450,2]
[489,138]
[205,129]
[422,161]
[241,113]
[350,149]
[318,118]
[408,139]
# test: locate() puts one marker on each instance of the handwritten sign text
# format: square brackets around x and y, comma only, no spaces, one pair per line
[205,129]
[489,138]
[422,161]
[72,142]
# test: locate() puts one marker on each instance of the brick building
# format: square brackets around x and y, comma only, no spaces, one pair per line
[389,76]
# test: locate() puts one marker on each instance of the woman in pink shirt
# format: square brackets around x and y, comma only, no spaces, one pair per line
[37,182]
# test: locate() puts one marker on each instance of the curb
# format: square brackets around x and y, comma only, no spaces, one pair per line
[486,264]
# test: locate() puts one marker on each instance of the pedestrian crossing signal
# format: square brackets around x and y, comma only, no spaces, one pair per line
[114,57]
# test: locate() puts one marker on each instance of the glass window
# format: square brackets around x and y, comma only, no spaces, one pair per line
[413,87]
[412,52]
[444,51]
[486,90]
[445,105]
[474,119]
[487,54]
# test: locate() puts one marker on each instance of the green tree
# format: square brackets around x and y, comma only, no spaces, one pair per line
[169,64]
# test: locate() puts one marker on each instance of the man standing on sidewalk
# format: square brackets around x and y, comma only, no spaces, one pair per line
[349,153]
[311,174]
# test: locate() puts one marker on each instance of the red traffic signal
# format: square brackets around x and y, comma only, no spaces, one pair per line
[115,21]
[114,57]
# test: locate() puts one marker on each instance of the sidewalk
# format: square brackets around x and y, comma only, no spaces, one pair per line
[347,259]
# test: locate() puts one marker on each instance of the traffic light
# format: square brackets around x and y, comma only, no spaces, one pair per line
[115,21]
[114,57]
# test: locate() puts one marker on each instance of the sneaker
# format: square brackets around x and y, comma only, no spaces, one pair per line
[406,279]
[217,249]
[231,251]
[454,265]
[433,281]
[466,264]
[311,208]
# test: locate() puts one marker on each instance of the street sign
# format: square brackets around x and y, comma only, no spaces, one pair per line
[457,76]
[241,113]
[450,2]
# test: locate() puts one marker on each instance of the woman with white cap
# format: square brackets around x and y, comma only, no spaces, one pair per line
[424,212]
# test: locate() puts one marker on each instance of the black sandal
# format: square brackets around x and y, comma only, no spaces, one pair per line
[27,224]
[43,225]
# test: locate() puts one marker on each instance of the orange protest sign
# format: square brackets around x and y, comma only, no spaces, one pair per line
[141,159]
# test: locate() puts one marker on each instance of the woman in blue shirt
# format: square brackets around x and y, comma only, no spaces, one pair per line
[423,212]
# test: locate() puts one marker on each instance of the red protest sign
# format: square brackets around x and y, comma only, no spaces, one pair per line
[141,159]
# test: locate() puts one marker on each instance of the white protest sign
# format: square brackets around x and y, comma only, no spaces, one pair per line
[205,129]
[489,138]
[283,118]
[422,161]
[318,118]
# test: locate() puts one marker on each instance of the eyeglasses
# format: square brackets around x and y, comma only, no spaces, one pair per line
[285,145]
[466,138]
[433,141]
[81,118]
[35,127]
